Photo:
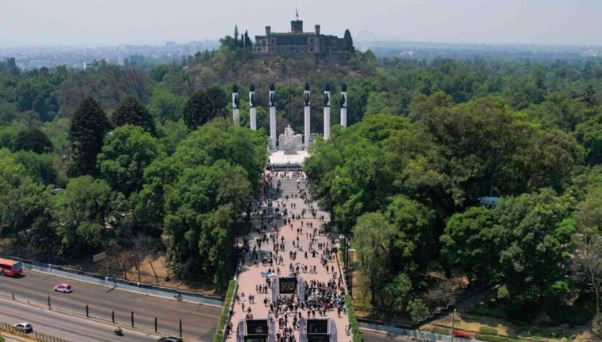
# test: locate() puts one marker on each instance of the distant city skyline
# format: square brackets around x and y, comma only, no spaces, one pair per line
[38,23]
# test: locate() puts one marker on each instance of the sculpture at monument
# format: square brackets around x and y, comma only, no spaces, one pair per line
[289,142]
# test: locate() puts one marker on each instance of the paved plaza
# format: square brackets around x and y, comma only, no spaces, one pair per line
[289,242]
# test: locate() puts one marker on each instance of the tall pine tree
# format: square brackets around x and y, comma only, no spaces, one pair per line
[132,112]
[204,105]
[348,41]
[88,127]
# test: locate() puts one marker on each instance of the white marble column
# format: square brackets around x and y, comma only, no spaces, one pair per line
[307,115]
[272,104]
[344,105]
[235,106]
[252,109]
[326,114]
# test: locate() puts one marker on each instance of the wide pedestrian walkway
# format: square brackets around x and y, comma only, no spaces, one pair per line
[289,242]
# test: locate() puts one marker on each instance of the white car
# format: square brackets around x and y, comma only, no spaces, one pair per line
[65,288]
[23,327]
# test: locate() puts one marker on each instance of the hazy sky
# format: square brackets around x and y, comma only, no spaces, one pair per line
[110,22]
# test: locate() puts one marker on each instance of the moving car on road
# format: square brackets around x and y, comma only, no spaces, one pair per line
[64,287]
[10,268]
[170,339]
[23,327]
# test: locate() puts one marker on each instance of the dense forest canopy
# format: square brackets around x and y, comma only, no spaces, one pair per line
[91,158]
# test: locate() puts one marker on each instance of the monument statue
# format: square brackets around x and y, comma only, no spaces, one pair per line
[289,142]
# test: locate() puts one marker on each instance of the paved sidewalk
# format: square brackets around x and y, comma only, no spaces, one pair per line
[307,252]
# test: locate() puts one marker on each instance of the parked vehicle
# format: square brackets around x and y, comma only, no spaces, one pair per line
[64,287]
[170,339]
[25,327]
[10,268]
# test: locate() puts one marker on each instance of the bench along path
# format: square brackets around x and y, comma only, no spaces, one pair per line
[299,230]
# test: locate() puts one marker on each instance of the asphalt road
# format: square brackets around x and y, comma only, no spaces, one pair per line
[65,326]
[198,321]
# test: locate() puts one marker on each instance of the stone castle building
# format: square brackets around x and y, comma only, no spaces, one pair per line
[305,44]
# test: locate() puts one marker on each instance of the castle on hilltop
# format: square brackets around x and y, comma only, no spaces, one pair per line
[304,44]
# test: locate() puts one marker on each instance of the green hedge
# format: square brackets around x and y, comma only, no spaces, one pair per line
[1,339]
[488,330]
[491,338]
[572,315]
[441,330]
[355,330]
[481,310]
[223,318]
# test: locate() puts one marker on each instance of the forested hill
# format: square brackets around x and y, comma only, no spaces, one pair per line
[466,129]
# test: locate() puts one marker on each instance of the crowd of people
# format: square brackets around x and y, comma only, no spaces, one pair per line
[302,255]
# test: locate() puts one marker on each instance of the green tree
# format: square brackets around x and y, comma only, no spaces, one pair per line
[397,293]
[39,167]
[22,200]
[418,310]
[348,41]
[204,105]
[534,246]
[589,134]
[32,139]
[468,243]
[127,150]
[131,111]
[373,237]
[88,127]
[87,214]
[165,106]
[413,247]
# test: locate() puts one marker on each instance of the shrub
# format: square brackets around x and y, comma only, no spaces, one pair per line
[491,338]
[572,315]
[441,330]
[355,330]
[488,330]
[225,315]
[481,310]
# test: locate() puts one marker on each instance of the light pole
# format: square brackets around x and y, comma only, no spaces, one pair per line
[453,324]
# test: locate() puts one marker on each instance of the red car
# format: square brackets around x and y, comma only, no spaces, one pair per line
[461,333]
[65,288]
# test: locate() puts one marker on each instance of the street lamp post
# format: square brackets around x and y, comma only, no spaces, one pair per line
[453,324]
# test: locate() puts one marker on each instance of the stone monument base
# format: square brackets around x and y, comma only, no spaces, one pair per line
[279,159]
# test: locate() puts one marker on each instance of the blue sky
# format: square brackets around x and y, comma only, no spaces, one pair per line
[111,22]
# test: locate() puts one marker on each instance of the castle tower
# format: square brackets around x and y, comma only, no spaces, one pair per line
[252,109]
[326,112]
[272,104]
[307,115]
[235,106]
[297,25]
[344,105]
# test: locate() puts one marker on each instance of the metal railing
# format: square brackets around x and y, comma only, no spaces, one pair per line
[35,336]
[102,280]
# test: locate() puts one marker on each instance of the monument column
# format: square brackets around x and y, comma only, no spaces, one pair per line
[344,105]
[326,112]
[252,109]
[307,115]
[235,106]
[272,104]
